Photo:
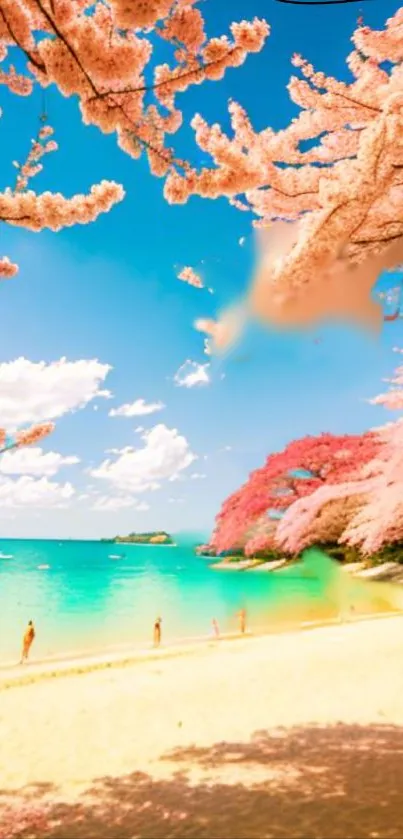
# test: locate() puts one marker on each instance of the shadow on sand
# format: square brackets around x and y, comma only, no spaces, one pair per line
[342,781]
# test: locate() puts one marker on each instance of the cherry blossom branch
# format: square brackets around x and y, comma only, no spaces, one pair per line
[148,88]
[57,31]
[14,38]
[183,25]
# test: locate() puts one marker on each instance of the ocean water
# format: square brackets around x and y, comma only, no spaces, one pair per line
[92,596]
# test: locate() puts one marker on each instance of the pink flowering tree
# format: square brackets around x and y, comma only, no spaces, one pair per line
[379,520]
[252,516]
[373,494]
[343,195]
[102,53]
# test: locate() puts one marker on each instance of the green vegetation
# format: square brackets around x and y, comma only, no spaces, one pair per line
[341,553]
[153,537]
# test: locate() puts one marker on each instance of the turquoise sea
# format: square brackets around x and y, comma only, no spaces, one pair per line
[85,596]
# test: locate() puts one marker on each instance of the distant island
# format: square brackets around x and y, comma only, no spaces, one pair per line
[154,537]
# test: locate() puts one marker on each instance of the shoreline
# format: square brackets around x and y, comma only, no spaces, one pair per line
[86,662]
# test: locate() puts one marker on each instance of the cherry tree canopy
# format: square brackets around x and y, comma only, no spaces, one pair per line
[346,489]
[101,52]
[343,194]
[252,516]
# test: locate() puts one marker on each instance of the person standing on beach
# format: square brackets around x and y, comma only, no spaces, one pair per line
[216,628]
[242,621]
[27,641]
[157,632]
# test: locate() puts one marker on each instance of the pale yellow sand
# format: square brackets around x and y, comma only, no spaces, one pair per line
[276,736]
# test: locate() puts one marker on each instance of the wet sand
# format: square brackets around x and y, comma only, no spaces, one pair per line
[291,735]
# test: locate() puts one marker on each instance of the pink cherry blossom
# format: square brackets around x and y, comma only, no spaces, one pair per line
[21,207]
[331,459]
[102,54]
[34,434]
[40,146]
[345,191]
[26,437]
[188,275]
[7,269]
[351,492]
[103,58]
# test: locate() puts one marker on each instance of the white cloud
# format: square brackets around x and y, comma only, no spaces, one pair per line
[175,500]
[33,461]
[125,450]
[165,453]
[29,492]
[198,476]
[226,449]
[139,408]
[36,391]
[109,503]
[139,429]
[191,373]
[142,507]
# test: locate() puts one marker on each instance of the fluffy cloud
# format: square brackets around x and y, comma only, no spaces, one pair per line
[198,476]
[139,408]
[29,492]
[108,503]
[191,374]
[142,507]
[177,478]
[165,453]
[33,461]
[32,392]
[125,450]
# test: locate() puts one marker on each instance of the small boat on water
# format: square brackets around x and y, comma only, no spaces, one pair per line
[116,556]
[43,567]
[6,556]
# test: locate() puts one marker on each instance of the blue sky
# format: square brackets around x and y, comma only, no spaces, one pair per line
[108,291]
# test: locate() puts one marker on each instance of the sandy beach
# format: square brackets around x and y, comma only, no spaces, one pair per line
[289,735]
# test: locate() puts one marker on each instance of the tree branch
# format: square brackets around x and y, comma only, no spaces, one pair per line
[150,87]
[30,57]
[64,40]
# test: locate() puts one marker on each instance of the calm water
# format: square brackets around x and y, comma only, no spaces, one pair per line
[82,598]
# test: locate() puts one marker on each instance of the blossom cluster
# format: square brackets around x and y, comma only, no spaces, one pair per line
[102,53]
[189,275]
[25,437]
